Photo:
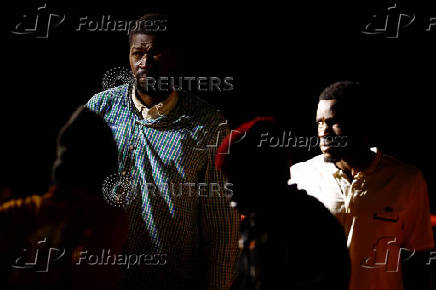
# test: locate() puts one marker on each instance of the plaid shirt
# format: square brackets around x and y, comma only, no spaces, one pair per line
[172,213]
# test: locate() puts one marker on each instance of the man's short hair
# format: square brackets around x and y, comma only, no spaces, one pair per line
[344,91]
[154,24]
[355,104]
[352,99]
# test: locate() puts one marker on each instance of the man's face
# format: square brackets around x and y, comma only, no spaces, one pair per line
[331,125]
[148,59]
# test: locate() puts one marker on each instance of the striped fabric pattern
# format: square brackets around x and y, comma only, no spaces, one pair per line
[172,212]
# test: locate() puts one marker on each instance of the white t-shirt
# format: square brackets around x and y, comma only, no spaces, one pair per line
[384,211]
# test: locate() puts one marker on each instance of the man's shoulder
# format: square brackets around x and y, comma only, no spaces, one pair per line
[399,169]
[307,174]
[314,163]
[200,110]
[108,97]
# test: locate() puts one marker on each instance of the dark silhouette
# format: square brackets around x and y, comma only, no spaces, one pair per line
[46,240]
[289,239]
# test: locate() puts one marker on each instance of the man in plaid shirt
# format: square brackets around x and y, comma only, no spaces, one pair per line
[179,214]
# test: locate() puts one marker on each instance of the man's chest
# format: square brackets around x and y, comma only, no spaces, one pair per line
[180,147]
[373,208]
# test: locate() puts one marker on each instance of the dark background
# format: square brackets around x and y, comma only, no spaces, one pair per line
[280,56]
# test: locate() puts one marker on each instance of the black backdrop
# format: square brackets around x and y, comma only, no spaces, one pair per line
[280,56]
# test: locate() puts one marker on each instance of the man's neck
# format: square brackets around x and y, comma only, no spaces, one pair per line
[151,100]
[355,163]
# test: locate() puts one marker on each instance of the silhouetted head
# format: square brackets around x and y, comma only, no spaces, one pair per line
[86,152]
[257,169]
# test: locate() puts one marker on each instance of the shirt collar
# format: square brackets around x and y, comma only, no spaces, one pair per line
[161,109]
[337,173]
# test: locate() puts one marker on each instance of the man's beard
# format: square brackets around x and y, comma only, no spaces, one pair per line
[150,87]
[143,88]
[335,155]
[146,86]
[332,158]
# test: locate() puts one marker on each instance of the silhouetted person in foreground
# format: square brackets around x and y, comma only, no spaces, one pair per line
[289,239]
[47,241]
